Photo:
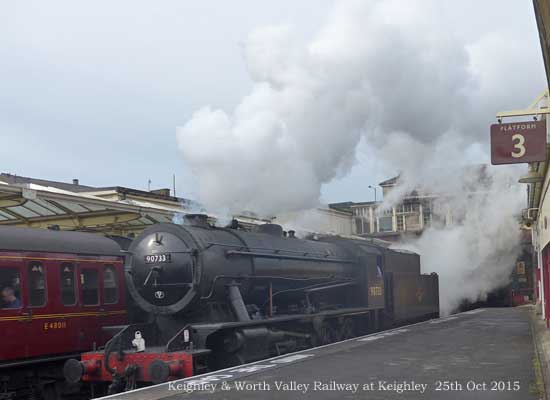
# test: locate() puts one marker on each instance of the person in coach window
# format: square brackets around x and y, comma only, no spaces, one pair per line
[9,298]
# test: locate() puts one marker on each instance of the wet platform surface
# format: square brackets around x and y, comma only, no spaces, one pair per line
[482,354]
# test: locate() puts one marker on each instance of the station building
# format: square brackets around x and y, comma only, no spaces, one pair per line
[415,212]
[537,214]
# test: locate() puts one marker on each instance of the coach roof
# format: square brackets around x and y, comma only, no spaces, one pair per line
[29,239]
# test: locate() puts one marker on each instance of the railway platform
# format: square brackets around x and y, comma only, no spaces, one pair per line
[481,354]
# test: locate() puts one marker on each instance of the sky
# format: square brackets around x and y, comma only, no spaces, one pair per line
[97,90]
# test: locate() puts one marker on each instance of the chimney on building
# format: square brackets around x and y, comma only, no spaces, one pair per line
[161,192]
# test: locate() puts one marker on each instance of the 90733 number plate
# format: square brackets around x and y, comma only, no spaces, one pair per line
[158,258]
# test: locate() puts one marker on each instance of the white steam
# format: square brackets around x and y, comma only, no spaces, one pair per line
[477,251]
[392,72]
[395,75]
[312,102]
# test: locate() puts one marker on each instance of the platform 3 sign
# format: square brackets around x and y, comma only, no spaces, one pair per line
[518,142]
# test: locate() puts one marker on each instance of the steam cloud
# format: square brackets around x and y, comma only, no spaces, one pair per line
[476,252]
[392,75]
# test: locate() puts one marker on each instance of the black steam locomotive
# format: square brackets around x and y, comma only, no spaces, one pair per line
[210,298]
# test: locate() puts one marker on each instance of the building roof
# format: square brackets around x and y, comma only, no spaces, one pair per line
[125,191]
[346,206]
[343,206]
[389,182]
[365,203]
[76,187]
[21,180]
[542,14]
[537,189]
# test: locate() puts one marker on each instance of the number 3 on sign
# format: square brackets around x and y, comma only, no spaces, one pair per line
[519,148]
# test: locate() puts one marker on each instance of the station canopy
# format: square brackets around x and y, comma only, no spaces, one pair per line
[110,210]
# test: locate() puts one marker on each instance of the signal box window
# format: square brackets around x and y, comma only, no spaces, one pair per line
[90,288]
[10,284]
[37,284]
[68,290]
[110,290]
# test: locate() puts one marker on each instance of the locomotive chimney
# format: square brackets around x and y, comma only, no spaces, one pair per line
[271,229]
[75,182]
[291,233]
[197,220]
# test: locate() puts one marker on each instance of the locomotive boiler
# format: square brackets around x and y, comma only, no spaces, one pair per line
[216,297]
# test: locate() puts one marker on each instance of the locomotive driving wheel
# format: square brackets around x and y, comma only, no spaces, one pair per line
[347,330]
[326,334]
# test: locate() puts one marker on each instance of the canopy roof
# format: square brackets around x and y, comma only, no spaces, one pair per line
[116,210]
[36,206]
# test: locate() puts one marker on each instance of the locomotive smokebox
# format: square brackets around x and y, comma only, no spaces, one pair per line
[160,269]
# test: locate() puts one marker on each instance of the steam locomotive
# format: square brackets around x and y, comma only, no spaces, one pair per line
[212,297]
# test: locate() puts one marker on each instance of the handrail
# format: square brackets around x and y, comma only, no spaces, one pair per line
[287,257]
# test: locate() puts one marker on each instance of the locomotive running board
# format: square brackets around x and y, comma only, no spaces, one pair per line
[202,331]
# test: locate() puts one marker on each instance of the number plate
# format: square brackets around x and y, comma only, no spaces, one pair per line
[158,258]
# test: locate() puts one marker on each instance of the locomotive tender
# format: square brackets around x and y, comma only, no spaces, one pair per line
[216,297]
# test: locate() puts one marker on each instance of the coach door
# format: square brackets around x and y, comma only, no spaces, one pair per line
[110,296]
[68,301]
[13,317]
[40,308]
[89,304]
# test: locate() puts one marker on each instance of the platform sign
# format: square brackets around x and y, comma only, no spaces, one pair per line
[518,142]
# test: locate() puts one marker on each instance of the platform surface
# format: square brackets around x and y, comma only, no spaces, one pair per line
[482,354]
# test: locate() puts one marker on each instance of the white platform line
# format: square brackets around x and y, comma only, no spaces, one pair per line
[382,335]
[442,320]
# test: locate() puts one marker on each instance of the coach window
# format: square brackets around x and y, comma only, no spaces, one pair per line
[68,290]
[10,284]
[90,288]
[110,290]
[37,284]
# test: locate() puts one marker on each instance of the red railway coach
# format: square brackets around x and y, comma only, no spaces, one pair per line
[58,289]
